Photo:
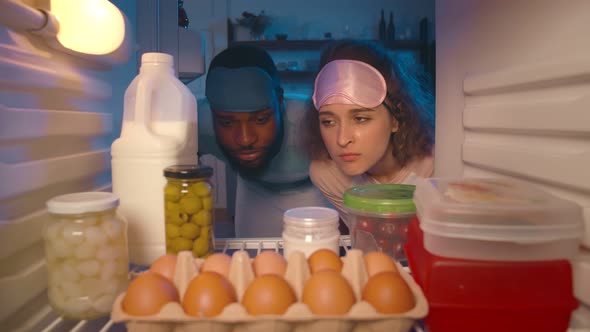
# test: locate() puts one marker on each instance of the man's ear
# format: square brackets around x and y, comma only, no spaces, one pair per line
[280,94]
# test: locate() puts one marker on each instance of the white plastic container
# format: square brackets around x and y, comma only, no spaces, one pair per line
[496,219]
[159,130]
[581,273]
[310,228]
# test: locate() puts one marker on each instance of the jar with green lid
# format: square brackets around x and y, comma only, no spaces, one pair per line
[188,204]
[378,217]
[86,253]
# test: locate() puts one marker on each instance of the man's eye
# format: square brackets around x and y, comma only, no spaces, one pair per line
[262,119]
[224,123]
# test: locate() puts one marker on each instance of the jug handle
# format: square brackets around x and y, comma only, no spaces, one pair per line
[143,109]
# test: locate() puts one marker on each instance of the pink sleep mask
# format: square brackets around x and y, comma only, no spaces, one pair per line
[349,82]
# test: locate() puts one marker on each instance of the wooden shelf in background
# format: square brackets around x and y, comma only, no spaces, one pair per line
[301,45]
[297,75]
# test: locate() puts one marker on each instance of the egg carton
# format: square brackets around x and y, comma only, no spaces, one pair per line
[298,318]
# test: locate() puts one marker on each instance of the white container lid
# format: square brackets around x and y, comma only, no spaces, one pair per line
[495,210]
[82,202]
[310,216]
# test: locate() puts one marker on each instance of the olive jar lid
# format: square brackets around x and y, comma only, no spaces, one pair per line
[188,172]
[84,202]
[381,198]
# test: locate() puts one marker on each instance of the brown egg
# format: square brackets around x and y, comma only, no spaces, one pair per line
[148,293]
[376,261]
[327,292]
[269,294]
[324,259]
[269,262]
[388,293]
[217,262]
[165,265]
[207,294]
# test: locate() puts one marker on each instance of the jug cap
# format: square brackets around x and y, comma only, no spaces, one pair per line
[152,57]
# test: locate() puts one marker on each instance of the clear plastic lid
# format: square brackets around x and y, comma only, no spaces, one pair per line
[310,216]
[495,209]
[84,202]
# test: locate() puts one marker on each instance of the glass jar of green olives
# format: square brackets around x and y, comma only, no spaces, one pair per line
[188,203]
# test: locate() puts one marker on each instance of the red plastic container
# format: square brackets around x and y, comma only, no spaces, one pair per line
[491,296]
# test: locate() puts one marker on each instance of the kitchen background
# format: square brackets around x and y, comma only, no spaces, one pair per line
[304,20]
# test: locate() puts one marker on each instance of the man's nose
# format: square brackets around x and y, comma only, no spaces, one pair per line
[245,135]
[345,135]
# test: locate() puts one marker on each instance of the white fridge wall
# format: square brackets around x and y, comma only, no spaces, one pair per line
[58,117]
[513,98]
[513,93]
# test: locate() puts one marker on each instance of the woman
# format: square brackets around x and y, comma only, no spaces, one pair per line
[370,122]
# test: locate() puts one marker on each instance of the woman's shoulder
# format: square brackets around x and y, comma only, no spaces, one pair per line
[422,167]
[326,176]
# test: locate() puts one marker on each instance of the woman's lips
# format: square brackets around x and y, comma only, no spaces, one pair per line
[349,156]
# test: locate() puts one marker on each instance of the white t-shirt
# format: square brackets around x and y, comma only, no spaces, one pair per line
[259,208]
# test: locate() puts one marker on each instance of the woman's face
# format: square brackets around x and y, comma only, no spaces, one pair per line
[357,138]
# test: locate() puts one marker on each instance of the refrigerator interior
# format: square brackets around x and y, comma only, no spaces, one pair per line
[513,100]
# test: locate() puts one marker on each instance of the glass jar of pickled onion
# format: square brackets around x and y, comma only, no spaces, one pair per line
[86,253]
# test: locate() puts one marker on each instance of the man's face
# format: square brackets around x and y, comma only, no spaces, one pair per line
[248,139]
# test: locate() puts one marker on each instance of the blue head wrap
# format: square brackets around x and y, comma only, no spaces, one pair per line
[246,89]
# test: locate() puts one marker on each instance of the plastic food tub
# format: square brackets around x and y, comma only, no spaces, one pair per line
[496,219]
[491,296]
[378,216]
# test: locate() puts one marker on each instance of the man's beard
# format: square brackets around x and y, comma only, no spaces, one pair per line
[256,171]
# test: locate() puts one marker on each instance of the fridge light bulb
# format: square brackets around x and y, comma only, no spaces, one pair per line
[89,26]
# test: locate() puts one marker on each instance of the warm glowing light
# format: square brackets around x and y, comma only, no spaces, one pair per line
[89,26]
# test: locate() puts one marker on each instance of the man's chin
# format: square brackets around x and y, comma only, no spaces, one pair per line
[249,167]
[250,164]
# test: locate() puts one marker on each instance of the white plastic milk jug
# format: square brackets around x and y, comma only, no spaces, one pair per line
[159,130]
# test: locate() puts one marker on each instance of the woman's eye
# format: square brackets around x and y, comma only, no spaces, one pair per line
[326,122]
[361,118]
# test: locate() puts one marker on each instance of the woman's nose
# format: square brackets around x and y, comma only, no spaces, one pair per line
[344,135]
[245,135]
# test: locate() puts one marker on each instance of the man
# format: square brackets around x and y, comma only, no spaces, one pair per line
[250,124]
